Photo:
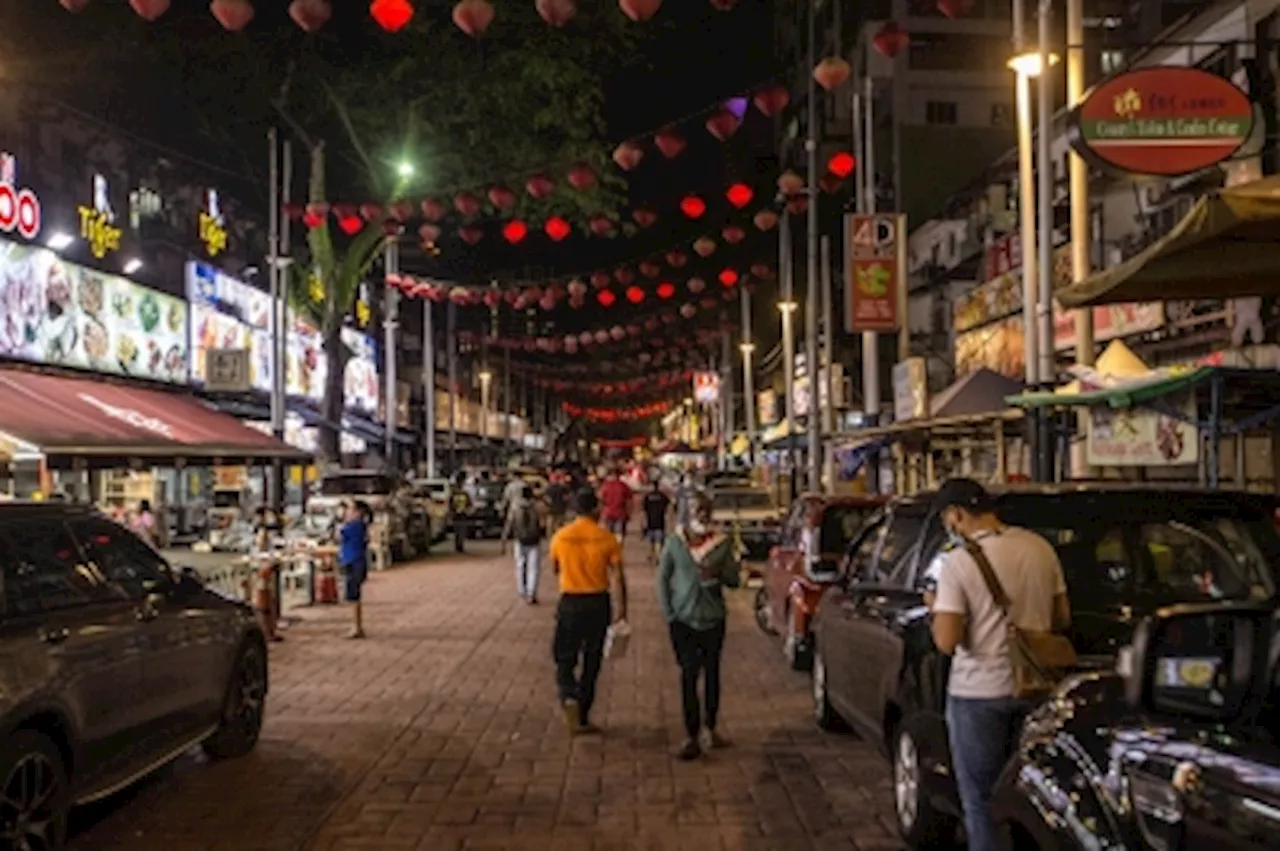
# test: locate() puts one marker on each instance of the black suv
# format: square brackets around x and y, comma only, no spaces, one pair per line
[1125,552]
[111,664]
[1179,751]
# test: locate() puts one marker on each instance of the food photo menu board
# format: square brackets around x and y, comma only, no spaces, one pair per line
[61,314]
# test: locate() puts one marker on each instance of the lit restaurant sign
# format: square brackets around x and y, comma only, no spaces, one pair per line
[19,208]
[1162,121]
[213,231]
[97,223]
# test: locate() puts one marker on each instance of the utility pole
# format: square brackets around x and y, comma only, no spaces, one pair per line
[812,296]
[788,308]
[451,358]
[1044,304]
[748,379]
[828,369]
[429,386]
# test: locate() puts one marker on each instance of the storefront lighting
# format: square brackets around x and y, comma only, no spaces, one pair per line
[486,375]
[1028,64]
[132,266]
[60,240]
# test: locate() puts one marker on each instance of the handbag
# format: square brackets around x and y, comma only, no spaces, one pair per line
[1039,660]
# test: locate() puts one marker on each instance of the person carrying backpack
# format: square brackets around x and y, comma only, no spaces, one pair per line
[524,524]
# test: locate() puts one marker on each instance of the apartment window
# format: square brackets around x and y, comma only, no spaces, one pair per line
[1112,62]
[940,112]
[1001,115]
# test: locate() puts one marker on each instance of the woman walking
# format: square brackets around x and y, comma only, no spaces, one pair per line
[696,564]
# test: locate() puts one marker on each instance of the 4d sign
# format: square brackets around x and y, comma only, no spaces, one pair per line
[19,208]
[97,223]
[212,227]
[1162,121]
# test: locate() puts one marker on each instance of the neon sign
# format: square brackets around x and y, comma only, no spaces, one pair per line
[97,223]
[213,233]
[19,208]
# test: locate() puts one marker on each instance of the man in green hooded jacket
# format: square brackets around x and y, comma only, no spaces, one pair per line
[696,564]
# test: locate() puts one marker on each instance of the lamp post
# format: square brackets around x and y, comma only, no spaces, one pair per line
[1081,220]
[812,296]
[429,386]
[828,368]
[747,347]
[391,324]
[788,308]
[486,381]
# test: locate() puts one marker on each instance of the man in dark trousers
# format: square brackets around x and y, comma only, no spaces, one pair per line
[587,559]
[459,510]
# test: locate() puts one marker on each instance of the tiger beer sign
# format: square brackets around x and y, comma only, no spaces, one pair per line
[875,250]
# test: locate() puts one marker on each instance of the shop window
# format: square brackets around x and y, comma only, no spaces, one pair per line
[1111,62]
[941,112]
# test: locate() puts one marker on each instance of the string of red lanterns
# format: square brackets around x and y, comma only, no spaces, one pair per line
[614,415]
[571,343]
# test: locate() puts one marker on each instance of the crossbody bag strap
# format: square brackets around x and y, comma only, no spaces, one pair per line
[974,549]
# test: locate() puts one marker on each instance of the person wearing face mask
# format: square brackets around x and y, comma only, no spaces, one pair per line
[696,564]
[983,716]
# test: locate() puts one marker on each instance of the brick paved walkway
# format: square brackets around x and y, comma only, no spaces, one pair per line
[441,732]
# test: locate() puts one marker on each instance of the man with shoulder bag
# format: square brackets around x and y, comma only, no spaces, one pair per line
[1000,608]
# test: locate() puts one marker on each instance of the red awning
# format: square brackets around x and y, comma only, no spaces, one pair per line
[91,418]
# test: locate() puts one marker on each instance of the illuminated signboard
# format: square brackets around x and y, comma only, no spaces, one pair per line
[212,226]
[19,208]
[97,223]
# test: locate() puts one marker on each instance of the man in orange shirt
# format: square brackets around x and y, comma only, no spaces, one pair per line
[587,559]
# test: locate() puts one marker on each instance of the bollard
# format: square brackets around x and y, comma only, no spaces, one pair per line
[326,583]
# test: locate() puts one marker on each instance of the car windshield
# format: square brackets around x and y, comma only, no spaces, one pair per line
[741,501]
[840,523]
[360,484]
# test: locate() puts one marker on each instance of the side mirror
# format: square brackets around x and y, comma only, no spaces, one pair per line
[1205,662]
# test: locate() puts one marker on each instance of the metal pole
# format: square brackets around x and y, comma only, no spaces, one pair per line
[748,380]
[828,368]
[1026,224]
[812,296]
[1081,225]
[451,359]
[859,155]
[279,375]
[276,480]
[870,341]
[429,386]
[505,409]
[391,261]
[1044,305]
[788,307]
[726,397]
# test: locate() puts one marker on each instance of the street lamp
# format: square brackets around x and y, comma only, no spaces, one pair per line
[486,380]
[1030,64]
[405,169]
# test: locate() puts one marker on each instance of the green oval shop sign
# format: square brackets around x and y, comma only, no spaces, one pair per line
[1162,121]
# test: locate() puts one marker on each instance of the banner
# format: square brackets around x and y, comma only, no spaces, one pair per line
[1139,437]
[876,252]
[706,388]
[910,390]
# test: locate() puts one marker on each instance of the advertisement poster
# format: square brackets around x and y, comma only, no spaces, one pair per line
[767,402]
[61,314]
[876,243]
[998,347]
[1138,437]
[910,390]
[706,388]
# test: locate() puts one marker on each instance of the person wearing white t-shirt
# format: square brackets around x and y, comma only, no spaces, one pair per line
[983,716]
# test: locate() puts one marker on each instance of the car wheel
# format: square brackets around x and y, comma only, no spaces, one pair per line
[762,611]
[823,712]
[34,793]
[796,645]
[922,825]
[241,720]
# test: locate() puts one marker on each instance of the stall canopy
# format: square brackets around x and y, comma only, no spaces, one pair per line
[1227,246]
[979,392]
[65,418]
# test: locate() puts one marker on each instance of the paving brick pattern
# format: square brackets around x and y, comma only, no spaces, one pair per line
[441,732]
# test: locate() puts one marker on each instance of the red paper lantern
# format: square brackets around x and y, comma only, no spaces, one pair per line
[601,225]
[392,228]
[350,224]
[727,277]
[582,177]
[234,15]
[841,164]
[832,72]
[708,303]
[693,206]
[557,12]
[539,186]
[547,302]
[467,204]
[666,290]
[697,285]
[600,280]
[650,269]
[470,235]
[722,123]
[628,155]
[371,211]
[790,183]
[677,259]
[955,8]
[473,16]
[705,246]
[739,195]
[502,197]
[433,209]
[771,100]
[765,219]
[688,311]
[310,15]
[639,10]
[797,205]
[761,271]
[492,299]
[428,232]
[391,15]
[315,214]
[644,217]
[891,40]
[635,295]
[149,10]
[623,275]
[733,234]
[617,333]
[74,6]
[606,298]
[400,210]
[577,289]
[557,228]
[515,231]
[670,142]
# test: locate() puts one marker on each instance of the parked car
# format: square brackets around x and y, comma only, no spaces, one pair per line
[807,559]
[435,496]
[751,515]
[406,523]
[1126,551]
[1178,752]
[486,508]
[115,665]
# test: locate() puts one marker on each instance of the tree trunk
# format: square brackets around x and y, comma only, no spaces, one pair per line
[334,400]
